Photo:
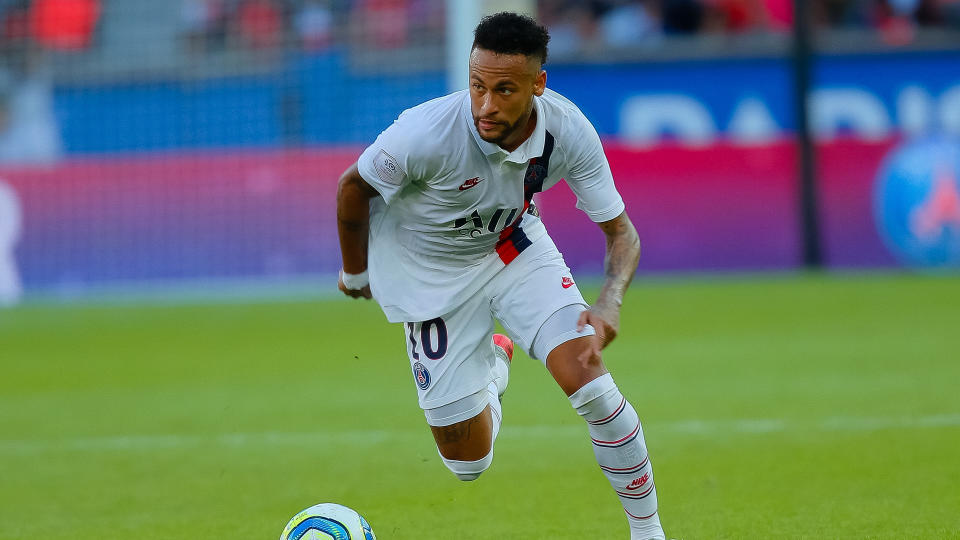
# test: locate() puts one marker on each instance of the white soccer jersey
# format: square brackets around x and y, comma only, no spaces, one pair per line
[453,210]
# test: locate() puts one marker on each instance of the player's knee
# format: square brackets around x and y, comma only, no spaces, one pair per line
[468,470]
[574,364]
[590,360]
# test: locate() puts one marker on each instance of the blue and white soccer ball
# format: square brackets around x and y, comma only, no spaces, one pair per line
[328,521]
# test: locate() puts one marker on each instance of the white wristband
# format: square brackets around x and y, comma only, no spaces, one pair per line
[354,282]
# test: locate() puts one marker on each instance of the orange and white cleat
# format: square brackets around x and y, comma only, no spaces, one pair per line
[505,344]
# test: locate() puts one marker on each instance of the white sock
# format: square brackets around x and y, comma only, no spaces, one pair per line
[496,410]
[468,471]
[501,370]
[621,452]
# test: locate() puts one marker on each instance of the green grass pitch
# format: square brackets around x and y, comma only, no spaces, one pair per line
[774,407]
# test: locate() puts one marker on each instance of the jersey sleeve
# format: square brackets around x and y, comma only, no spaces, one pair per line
[589,174]
[390,163]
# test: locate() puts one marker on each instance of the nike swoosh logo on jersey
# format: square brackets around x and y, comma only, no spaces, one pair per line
[566,283]
[470,183]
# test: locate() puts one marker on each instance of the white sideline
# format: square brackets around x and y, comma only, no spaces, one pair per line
[375,436]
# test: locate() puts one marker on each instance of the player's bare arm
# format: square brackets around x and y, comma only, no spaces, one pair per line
[353,224]
[620,263]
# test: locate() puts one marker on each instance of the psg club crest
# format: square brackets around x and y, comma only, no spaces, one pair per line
[917,202]
[421,375]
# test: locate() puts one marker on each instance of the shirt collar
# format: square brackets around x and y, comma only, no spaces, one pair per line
[530,148]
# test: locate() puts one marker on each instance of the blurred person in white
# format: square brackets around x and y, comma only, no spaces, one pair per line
[10,224]
[631,24]
[29,134]
[314,25]
[28,129]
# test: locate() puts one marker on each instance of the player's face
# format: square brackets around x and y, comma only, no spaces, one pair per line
[502,87]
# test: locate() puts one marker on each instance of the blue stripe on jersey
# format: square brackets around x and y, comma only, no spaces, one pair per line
[519,239]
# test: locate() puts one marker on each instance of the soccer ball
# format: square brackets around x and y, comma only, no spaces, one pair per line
[328,521]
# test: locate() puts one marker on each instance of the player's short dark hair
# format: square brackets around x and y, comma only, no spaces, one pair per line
[512,33]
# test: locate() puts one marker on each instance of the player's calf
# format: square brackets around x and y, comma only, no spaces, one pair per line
[466,447]
[468,440]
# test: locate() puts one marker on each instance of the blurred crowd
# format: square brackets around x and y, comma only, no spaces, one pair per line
[603,24]
[312,25]
[576,25]
[217,24]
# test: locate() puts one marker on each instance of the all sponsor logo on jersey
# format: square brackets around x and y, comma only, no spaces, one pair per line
[470,183]
[422,375]
[566,282]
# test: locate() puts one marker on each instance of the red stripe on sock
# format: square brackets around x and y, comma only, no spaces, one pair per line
[632,433]
[623,403]
[641,465]
[640,517]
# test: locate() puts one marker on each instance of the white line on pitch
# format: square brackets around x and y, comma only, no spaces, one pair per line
[377,436]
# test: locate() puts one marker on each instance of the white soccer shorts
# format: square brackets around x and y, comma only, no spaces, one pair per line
[452,356]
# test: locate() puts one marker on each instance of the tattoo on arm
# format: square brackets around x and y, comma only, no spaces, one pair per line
[622,257]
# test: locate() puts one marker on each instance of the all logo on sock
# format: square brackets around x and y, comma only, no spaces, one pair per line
[639,482]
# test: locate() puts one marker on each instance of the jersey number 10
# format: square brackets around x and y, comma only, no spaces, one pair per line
[434,351]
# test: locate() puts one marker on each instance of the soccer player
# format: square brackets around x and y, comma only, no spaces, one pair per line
[437,223]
